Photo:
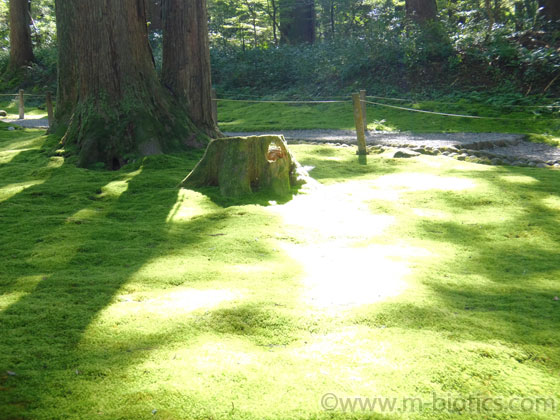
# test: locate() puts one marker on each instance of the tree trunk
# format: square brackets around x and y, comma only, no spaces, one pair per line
[332,18]
[244,165]
[274,21]
[297,21]
[186,59]
[109,98]
[421,11]
[154,15]
[489,14]
[21,50]
[551,11]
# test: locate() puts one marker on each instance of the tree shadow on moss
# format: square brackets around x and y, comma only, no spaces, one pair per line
[260,198]
[500,284]
[87,233]
[45,322]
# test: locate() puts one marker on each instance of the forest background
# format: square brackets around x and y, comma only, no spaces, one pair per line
[499,51]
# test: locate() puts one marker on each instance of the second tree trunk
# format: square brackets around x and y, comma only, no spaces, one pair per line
[186,59]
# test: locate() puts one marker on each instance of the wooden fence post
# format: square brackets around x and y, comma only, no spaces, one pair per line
[364,108]
[50,113]
[214,107]
[21,105]
[359,121]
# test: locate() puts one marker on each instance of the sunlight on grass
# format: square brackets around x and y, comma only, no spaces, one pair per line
[189,204]
[28,140]
[422,182]
[332,221]
[55,162]
[10,190]
[124,296]
[176,302]
[6,156]
[22,287]
[116,188]
[520,179]
[552,202]
[432,214]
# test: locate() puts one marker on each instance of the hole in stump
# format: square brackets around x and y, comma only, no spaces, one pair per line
[274,153]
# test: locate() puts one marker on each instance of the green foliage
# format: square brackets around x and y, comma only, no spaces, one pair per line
[366,43]
[396,62]
[373,45]
[37,78]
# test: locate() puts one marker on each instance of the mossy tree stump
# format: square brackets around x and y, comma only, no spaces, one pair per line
[243,165]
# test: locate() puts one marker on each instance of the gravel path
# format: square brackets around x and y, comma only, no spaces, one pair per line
[30,122]
[506,148]
[387,138]
[498,147]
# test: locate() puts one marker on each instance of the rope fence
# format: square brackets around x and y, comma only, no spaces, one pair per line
[20,97]
[279,102]
[11,95]
[359,100]
[442,113]
[402,108]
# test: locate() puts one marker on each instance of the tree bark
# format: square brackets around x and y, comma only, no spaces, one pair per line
[551,11]
[154,15]
[21,49]
[421,11]
[110,101]
[489,14]
[297,21]
[186,59]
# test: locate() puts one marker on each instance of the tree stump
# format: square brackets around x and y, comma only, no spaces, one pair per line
[243,165]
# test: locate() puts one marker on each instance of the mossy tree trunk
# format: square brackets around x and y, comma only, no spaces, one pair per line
[109,98]
[21,48]
[186,59]
[243,165]
[297,21]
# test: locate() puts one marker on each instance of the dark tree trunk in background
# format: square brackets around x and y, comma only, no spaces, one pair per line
[297,21]
[186,59]
[273,17]
[154,15]
[550,10]
[432,42]
[109,98]
[489,14]
[21,50]
[421,11]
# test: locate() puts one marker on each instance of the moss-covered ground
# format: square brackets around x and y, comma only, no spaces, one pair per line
[123,296]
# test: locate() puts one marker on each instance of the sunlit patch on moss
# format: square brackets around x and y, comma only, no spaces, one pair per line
[13,189]
[520,179]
